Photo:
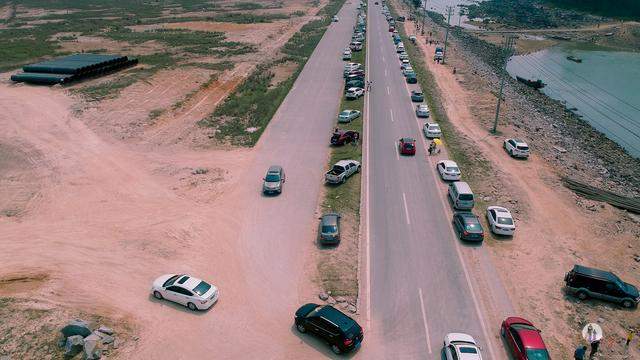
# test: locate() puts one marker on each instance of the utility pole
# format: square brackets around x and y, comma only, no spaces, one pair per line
[459,15]
[507,49]
[424,14]
[446,37]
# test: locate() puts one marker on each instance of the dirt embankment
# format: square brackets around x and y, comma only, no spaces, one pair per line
[556,229]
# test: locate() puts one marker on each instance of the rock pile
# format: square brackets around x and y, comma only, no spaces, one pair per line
[342,302]
[77,337]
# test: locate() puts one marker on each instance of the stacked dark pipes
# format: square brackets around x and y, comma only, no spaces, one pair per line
[72,68]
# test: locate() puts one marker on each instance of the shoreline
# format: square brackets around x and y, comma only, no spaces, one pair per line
[588,154]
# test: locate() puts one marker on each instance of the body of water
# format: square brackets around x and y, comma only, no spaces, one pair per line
[440,6]
[604,88]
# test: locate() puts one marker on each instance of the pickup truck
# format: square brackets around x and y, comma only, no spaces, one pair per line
[341,171]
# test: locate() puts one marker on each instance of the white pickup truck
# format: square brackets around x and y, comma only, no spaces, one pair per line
[341,171]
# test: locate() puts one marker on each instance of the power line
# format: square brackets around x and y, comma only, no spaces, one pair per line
[594,99]
[587,103]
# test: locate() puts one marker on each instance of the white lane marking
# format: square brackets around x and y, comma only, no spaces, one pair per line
[391,112]
[406,208]
[383,60]
[388,91]
[424,321]
[385,72]
[476,304]
[368,213]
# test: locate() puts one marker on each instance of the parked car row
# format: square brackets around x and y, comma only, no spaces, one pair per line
[338,330]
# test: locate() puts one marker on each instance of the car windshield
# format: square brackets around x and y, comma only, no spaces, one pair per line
[272,178]
[408,146]
[345,113]
[434,127]
[467,350]
[202,288]
[537,354]
[505,221]
[329,229]
[522,147]
[452,169]
[171,280]
[417,93]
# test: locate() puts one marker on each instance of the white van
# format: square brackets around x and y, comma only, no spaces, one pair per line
[461,195]
[400,48]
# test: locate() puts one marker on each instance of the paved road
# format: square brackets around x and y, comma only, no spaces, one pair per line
[279,232]
[419,287]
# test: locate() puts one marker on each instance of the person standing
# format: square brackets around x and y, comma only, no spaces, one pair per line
[594,348]
[629,337]
[580,352]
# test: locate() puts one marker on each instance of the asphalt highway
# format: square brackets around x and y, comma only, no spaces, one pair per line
[420,289]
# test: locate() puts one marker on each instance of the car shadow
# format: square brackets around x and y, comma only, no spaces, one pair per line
[319,345]
[505,345]
[499,237]
[179,307]
[593,303]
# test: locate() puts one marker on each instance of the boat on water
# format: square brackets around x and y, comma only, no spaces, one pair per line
[574,59]
[536,84]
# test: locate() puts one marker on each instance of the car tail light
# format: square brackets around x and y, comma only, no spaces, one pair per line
[348,342]
[465,233]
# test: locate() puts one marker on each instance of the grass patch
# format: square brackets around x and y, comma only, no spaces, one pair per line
[254,102]
[248,18]
[220,66]
[108,90]
[338,267]
[26,45]
[155,113]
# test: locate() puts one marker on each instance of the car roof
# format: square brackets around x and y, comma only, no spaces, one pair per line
[344,162]
[274,169]
[417,91]
[421,106]
[188,282]
[519,141]
[337,317]
[531,339]
[448,163]
[462,186]
[587,271]
[502,211]
[432,124]
[408,139]
[354,89]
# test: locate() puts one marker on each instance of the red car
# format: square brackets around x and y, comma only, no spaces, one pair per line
[524,339]
[407,146]
[392,29]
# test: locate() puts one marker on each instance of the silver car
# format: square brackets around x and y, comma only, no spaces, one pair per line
[274,180]
[422,111]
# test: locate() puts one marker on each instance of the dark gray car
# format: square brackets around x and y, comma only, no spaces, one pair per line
[330,229]
[274,180]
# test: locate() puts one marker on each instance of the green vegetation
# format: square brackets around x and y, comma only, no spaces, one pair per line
[338,268]
[155,113]
[22,45]
[457,146]
[254,102]
[150,65]
[248,6]
[242,18]
[621,9]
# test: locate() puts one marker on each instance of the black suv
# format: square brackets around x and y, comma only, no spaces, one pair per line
[331,325]
[587,282]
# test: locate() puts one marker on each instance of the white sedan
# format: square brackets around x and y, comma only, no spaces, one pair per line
[183,289]
[500,220]
[432,130]
[461,346]
[448,170]
[354,93]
